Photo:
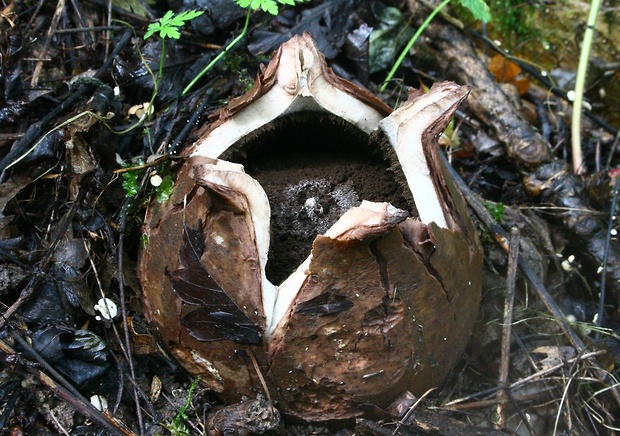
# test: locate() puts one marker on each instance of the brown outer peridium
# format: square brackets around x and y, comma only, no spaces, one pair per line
[288,57]
[415,290]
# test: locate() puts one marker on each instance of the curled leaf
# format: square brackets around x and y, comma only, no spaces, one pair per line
[217,317]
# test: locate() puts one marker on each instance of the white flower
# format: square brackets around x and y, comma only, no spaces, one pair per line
[107,308]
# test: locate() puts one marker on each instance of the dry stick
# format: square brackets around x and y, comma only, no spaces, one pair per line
[34,15]
[513,255]
[89,29]
[614,146]
[405,418]
[108,35]
[120,342]
[533,378]
[66,392]
[48,39]
[610,226]
[58,424]
[259,374]
[80,18]
[121,289]
[501,238]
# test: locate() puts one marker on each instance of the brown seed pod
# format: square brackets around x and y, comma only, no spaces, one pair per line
[315,245]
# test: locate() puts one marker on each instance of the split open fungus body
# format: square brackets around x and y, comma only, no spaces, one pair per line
[386,291]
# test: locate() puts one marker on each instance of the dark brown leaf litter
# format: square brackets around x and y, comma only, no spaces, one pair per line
[65,192]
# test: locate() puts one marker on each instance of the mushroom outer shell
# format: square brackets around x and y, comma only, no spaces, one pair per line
[406,329]
[223,366]
[414,290]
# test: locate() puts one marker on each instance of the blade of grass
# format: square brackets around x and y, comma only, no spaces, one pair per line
[221,54]
[412,41]
[580,81]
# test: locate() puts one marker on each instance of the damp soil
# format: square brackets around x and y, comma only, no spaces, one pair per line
[313,169]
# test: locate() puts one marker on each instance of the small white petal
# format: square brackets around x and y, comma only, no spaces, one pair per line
[107,308]
[99,402]
[156,180]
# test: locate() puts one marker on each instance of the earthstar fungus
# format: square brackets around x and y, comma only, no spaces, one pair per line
[387,296]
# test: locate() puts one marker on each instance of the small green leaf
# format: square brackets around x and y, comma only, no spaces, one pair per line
[153,27]
[131,185]
[168,25]
[180,19]
[497,210]
[270,6]
[166,18]
[479,9]
[170,32]
[164,191]
[244,3]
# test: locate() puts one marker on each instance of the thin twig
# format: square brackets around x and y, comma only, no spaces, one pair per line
[405,418]
[58,424]
[89,29]
[501,237]
[533,378]
[121,287]
[80,18]
[118,47]
[48,39]
[260,374]
[108,35]
[610,226]
[65,390]
[513,256]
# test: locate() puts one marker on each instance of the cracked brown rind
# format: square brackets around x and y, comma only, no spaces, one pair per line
[225,367]
[407,326]
[411,292]
[267,78]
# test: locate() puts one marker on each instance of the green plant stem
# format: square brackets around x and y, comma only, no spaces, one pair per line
[221,54]
[580,81]
[412,41]
[161,63]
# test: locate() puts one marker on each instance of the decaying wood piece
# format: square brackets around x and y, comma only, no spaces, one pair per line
[247,417]
[545,177]
[385,300]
